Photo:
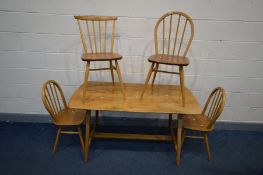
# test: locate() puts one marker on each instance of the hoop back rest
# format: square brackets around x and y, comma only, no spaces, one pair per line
[97,33]
[53,99]
[171,31]
[215,105]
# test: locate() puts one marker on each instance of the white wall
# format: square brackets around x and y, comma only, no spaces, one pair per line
[39,40]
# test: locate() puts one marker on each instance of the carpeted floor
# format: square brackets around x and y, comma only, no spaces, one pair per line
[25,149]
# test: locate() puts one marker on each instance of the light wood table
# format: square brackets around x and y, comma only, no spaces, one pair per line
[164,99]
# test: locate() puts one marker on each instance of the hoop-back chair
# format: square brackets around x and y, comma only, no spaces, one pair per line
[173,35]
[97,32]
[205,121]
[63,116]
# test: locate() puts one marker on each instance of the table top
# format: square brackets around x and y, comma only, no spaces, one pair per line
[159,99]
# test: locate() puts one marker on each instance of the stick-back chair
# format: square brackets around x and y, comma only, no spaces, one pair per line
[63,116]
[97,35]
[173,35]
[205,121]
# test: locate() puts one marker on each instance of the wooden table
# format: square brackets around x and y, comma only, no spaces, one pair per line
[165,99]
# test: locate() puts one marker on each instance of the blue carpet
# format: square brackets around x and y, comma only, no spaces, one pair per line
[25,149]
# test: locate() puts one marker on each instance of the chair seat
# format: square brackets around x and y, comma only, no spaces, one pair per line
[196,122]
[101,56]
[70,117]
[169,59]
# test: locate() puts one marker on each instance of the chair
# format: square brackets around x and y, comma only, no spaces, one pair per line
[95,45]
[171,46]
[63,117]
[205,121]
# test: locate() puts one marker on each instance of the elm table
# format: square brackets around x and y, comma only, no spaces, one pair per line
[163,99]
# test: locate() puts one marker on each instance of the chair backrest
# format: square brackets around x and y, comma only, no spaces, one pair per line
[215,105]
[96,33]
[173,34]
[53,99]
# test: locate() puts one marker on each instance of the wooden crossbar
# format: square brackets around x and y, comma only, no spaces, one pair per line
[69,132]
[168,72]
[132,136]
[100,69]
[194,137]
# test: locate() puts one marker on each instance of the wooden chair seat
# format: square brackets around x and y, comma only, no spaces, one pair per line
[70,117]
[169,59]
[196,122]
[101,56]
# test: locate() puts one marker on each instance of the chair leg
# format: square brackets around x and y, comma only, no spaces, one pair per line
[181,71]
[81,138]
[56,140]
[147,80]
[120,78]
[111,71]
[155,72]
[207,146]
[86,79]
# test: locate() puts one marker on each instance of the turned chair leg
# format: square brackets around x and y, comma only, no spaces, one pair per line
[86,79]
[155,72]
[111,71]
[207,146]
[120,78]
[181,71]
[81,138]
[147,80]
[56,140]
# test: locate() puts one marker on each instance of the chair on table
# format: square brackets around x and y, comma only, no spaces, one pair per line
[205,121]
[63,117]
[173,35]
[96,33]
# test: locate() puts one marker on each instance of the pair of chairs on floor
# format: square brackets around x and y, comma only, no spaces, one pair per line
[55,103]
[173,35]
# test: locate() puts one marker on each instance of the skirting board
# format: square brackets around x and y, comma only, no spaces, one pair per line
[141,120]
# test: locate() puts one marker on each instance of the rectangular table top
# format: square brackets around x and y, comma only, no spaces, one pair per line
[159,99]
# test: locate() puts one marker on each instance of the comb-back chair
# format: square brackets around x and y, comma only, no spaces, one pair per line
[97,32]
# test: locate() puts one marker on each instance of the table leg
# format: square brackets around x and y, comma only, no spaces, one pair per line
[87,136]
[170,121]
[172,132]
[179,140]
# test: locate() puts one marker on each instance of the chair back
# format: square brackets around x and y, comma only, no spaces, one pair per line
[53,99]
[97,33]
[173,34]
[215,105]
